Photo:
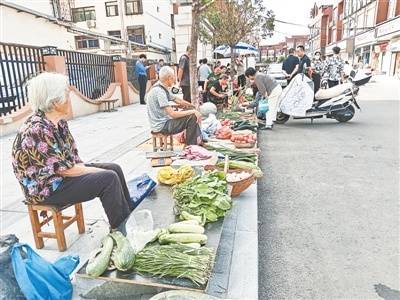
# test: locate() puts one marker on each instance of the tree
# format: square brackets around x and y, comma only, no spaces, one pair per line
[199,7]
[233,21]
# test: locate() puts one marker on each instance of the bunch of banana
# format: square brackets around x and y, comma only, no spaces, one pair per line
[171,176]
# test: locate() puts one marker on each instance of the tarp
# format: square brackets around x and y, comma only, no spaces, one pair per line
[298,96]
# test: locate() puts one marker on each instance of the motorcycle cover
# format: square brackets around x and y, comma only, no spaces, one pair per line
[297,97]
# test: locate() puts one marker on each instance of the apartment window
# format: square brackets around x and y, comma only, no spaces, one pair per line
[173,44]
[133,7]
[172,21]
[391,9]
[85,42]
[112,9]
[185,2]
[369,17]
[82,14]
[136,34]
[160,36]
[114,33]
[360,22]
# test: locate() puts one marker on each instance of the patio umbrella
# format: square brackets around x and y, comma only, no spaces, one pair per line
[240,48]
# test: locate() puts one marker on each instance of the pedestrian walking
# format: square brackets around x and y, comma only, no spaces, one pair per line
[267,87]
[334,66]
[289,65]
[317,66]
[159,66]
[240,71]
[184,74]
[141,74]
[203,72]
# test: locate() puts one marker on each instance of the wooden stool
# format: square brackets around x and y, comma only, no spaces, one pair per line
[58,220]
[162,142]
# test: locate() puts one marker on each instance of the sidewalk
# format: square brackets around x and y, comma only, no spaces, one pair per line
[100,138]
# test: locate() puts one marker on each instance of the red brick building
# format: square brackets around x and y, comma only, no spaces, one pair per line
[273,52]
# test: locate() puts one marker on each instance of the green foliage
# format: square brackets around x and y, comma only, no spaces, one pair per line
[229,22]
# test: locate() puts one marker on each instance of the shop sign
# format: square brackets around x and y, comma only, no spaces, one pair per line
[395,47]
[365,38]
[389,27]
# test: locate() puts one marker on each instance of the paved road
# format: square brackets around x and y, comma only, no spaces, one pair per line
[329,207]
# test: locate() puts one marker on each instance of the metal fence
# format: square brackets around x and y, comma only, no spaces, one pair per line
[17,64]
[130,68]
[90,73]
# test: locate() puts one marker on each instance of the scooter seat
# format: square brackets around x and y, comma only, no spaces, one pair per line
[323,94]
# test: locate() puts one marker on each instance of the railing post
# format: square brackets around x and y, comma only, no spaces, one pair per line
[53,62]
[121,76]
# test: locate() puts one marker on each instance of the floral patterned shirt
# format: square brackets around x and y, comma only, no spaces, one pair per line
[334,66]
[318,65]
[40,151]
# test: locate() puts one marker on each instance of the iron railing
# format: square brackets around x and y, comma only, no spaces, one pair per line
[130,69]
[90,73]
[17,64]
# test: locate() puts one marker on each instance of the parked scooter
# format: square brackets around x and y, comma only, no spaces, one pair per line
[339,102]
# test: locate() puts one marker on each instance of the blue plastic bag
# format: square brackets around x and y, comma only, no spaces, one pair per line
[39,279]
[140,187]
[263,107]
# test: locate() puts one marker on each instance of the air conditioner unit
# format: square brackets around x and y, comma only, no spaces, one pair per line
[91,24]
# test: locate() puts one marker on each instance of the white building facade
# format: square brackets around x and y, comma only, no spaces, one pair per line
[183,23]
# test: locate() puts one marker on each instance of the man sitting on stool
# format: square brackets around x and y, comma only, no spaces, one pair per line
[163,118]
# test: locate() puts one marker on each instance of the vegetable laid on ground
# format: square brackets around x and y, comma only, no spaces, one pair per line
[234,164]
[234,154]
[176,260]
[171,176]
[205,196]
[123,255]
[100,259]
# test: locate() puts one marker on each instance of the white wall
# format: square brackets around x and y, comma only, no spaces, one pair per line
[43,6]
[182,34]
[154,22]
[16,28]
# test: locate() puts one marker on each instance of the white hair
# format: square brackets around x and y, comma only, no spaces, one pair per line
[165,73]
[46,89]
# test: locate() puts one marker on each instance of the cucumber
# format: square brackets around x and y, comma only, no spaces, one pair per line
[185,228]
[184,238]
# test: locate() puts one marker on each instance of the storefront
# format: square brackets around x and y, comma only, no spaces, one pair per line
[387,46]
[394,48]
[364,48]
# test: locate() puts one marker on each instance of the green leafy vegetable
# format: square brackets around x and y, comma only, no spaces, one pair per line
[203,196]
[176,260]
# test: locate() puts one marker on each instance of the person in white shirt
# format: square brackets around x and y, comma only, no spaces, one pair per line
[203,72]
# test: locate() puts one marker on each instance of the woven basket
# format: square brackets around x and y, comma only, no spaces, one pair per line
[238,186]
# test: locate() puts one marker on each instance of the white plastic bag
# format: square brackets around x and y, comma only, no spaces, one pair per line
[140,229]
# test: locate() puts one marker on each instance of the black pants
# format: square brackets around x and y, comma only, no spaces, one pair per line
[108,184]
[332,83]
[317,81]
[186,93]
[142,87]
[189,123]
[242,80]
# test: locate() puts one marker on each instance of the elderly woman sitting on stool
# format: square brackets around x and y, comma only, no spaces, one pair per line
[46,161]
[163,118]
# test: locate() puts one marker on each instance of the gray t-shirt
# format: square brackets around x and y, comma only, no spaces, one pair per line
[204,71]
[184,65]
[157,99]
[265,83]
